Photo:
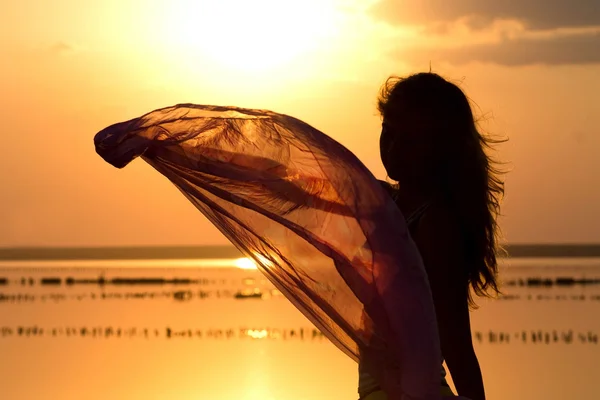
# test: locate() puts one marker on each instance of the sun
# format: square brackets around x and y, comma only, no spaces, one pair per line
[255,35]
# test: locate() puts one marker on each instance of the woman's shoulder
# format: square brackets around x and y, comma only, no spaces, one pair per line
[391,189]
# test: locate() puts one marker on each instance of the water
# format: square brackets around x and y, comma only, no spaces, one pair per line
[211,329]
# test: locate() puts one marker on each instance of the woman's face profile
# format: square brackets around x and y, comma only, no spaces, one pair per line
[405,147]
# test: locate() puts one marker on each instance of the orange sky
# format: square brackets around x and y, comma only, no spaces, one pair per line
[68,69]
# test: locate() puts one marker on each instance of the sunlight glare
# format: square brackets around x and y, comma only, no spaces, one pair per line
[257,334]
[249,35]
[245,263]
[249,263]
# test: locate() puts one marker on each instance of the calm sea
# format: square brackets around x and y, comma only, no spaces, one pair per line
[213,329]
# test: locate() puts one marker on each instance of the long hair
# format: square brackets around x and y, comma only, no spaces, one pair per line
[469,178]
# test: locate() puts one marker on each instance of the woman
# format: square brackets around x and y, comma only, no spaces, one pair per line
[450,192]
[322,229]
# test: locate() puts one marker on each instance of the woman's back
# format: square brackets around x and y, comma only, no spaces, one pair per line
[367,384]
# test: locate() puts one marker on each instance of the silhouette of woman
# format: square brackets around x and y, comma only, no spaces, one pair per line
[327,234]
[450,192]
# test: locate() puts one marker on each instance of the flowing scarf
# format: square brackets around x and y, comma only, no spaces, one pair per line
[315,220]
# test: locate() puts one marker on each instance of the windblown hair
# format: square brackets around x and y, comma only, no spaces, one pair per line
[470,179]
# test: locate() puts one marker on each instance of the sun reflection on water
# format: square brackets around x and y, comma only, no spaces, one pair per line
[245,263]
[249,263]
[257,333]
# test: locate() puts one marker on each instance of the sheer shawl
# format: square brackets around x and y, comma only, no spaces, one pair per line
[315,220]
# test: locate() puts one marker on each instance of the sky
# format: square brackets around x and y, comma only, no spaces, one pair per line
[70,68]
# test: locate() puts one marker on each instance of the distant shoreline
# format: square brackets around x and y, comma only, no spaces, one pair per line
[220,252]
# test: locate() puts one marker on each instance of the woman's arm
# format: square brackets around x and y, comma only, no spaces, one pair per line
[439,242]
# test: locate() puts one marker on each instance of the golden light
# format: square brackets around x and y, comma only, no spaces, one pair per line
[248,35]
[248,263]
[245,263]
[257,334]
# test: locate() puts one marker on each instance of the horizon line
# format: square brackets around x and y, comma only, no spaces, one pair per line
[15,253]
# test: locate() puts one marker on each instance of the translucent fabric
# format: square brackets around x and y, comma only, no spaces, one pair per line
[315,220]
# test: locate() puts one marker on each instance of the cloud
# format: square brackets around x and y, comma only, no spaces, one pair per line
[557,50]
[535,14]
